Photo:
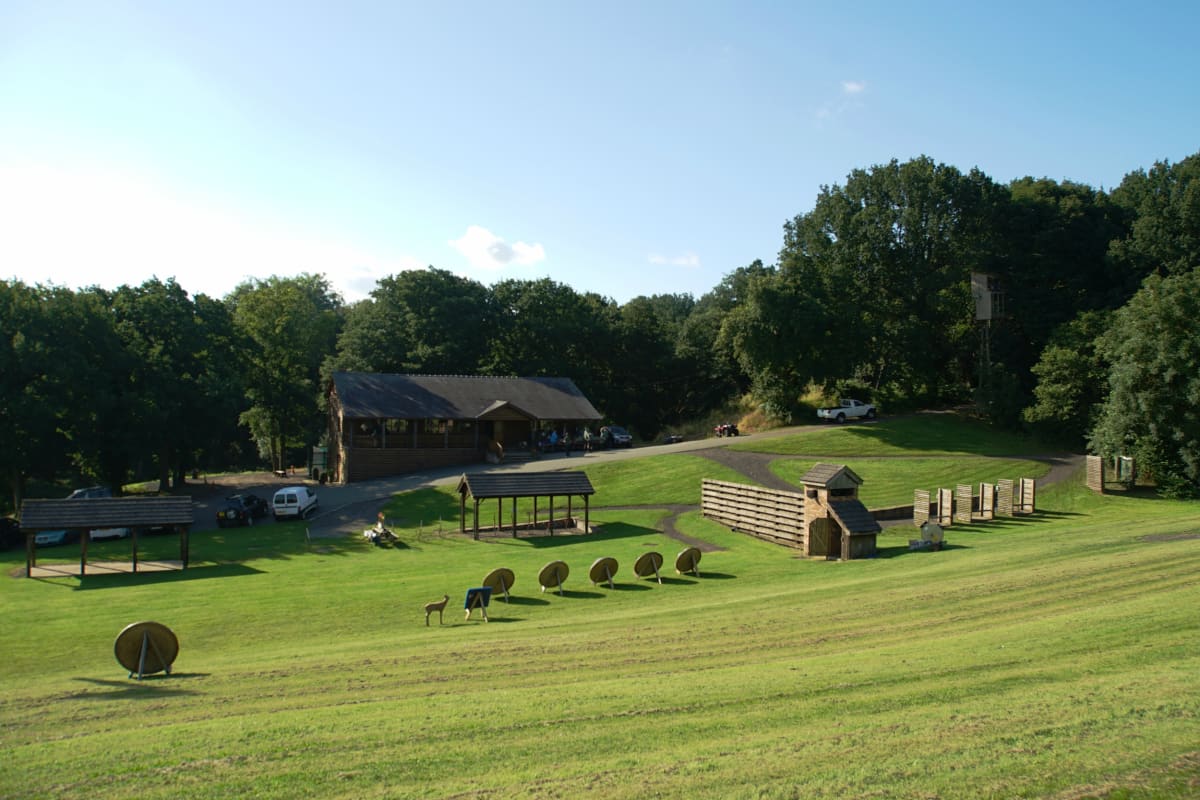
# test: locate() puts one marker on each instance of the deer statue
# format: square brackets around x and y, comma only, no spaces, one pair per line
[438,606]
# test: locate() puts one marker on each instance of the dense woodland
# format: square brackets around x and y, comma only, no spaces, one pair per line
[1099,346]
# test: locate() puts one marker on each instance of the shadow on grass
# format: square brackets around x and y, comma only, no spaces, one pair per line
[574,594]
[514,600]
[678,581]
[150,687]
[127,579]
[715,576]
[903,550]
[399,544]
[608,531]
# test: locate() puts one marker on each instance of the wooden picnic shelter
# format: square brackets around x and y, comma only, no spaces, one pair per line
[82,516]
[514,486]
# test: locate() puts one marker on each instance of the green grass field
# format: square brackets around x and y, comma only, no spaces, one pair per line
[1047,656]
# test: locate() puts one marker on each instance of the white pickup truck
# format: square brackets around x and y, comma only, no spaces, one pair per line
[847,409]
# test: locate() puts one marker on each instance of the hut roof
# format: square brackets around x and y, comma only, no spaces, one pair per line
[372,395]
[98,513]
[539,484]
[854,517]
[826,475]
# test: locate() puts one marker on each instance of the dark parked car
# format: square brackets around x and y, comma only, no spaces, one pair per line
[241,509]
[615,436]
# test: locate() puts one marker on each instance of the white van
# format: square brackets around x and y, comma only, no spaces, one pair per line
[294,501]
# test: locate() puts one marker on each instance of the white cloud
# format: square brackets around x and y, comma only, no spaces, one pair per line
[685,260]
[487,251]
[88,225]
[849,100]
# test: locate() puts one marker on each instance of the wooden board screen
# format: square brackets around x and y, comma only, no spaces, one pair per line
[1004,497]
[765,513]
[1027,504]
[964,500]
[945,515]
[1095,474]
[920,506]
[987,500]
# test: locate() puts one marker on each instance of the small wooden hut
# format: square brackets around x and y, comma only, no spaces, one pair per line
[839,526]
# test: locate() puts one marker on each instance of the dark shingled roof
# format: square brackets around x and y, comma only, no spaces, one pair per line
[822,474]
[105,512]
[372,395]
[854,517]
[539,484]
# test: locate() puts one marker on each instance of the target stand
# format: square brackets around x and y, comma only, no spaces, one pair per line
[145,648]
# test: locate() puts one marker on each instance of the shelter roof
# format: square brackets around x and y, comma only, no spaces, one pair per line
[105,512]
[376,395]
[854,517]
[482,486]
[826,475]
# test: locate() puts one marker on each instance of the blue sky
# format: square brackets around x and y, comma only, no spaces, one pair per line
[623,148]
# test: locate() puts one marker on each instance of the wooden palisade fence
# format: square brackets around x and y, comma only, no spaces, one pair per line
[765,513]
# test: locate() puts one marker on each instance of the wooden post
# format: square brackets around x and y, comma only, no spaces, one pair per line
[475,529]
[514,521]
[84,536]
[184,547]
[499,514]
[551,515]
[569,517]
[586,527]
[133,538]
[30,554]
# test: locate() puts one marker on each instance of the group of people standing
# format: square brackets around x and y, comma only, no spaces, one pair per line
[565,441]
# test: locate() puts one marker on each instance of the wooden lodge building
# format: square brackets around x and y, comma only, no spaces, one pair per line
[387,424]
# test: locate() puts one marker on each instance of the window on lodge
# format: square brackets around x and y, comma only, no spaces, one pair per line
[435,426]
[397,426]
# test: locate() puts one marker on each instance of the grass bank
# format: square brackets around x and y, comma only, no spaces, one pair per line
[1045,656]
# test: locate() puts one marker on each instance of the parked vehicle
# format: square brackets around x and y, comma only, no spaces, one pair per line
[46,538]
[615,436]
[847,409]
[294,501]
[241,509]
[672,438]
[726,429]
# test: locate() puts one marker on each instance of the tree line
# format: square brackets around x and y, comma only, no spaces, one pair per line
[1097,344]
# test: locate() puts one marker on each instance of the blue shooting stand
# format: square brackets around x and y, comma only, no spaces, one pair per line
[478,597]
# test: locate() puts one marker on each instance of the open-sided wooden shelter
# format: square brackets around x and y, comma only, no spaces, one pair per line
[139,514]
[513,486]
